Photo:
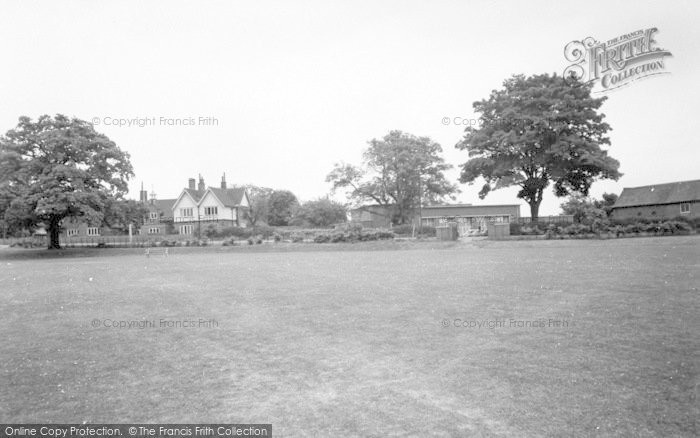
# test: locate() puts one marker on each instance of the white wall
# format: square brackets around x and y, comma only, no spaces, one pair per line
[184,202]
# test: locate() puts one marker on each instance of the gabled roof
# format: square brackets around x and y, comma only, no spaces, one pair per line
[195,194]
[670,193]
[163,205]
[229,197]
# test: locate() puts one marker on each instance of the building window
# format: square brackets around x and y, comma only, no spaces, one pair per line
[72,232]
[153,230]
[93,231]
[685,207]
[186,212]
[153,215]
[211,211]
[185,229]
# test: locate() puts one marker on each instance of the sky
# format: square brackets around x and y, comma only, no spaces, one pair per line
[275,93]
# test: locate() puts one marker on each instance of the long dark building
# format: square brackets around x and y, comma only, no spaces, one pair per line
[659,201]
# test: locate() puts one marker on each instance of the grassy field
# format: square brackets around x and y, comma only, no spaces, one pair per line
[356,341]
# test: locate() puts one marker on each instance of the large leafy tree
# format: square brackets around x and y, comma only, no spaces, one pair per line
[583,209]
[259,198]
[535,131]
[400,171]
[321,212]
[609,199]
[282,204]
[59,167]
[119,213]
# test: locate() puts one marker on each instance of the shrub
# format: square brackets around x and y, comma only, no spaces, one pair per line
[632,228]
[322,238]
[650,227]
[426,231]
[240,232]
[211,231]
[251,241]
[349,227]
[599,225]
[551,231]
[676,226]
[28,244]
[353,236]
[297,237]
[532,230]
[387,234]
[631,221]
[407,230]
[515,229]
[263,230]
[403,230]
[277,237]
[340,237]
[694,223]
[575,229]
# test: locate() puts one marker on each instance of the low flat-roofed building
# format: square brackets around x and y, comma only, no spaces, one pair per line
[470,219]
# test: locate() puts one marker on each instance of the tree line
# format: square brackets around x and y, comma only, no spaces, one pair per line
[533,132]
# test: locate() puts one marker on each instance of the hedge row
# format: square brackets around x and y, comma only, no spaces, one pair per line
[665,227]
[351,236]
[407,230]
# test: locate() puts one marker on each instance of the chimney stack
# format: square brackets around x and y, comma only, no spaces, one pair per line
[223,181]
[191,184]
[201,187]
[143,195]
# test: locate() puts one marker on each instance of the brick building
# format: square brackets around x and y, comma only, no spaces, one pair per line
[159,220]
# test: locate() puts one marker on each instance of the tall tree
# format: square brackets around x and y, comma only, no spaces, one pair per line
[583,209]
[322,212]
[538,130]
[58,167]
[259,198]
[119,213]
[282,205]
[400,171]
[609,199]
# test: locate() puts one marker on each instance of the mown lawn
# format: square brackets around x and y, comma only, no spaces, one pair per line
[362,342]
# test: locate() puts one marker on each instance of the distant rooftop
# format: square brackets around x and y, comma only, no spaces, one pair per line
[657,194]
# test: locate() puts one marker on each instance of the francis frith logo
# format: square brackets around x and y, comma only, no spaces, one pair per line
[617,62]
